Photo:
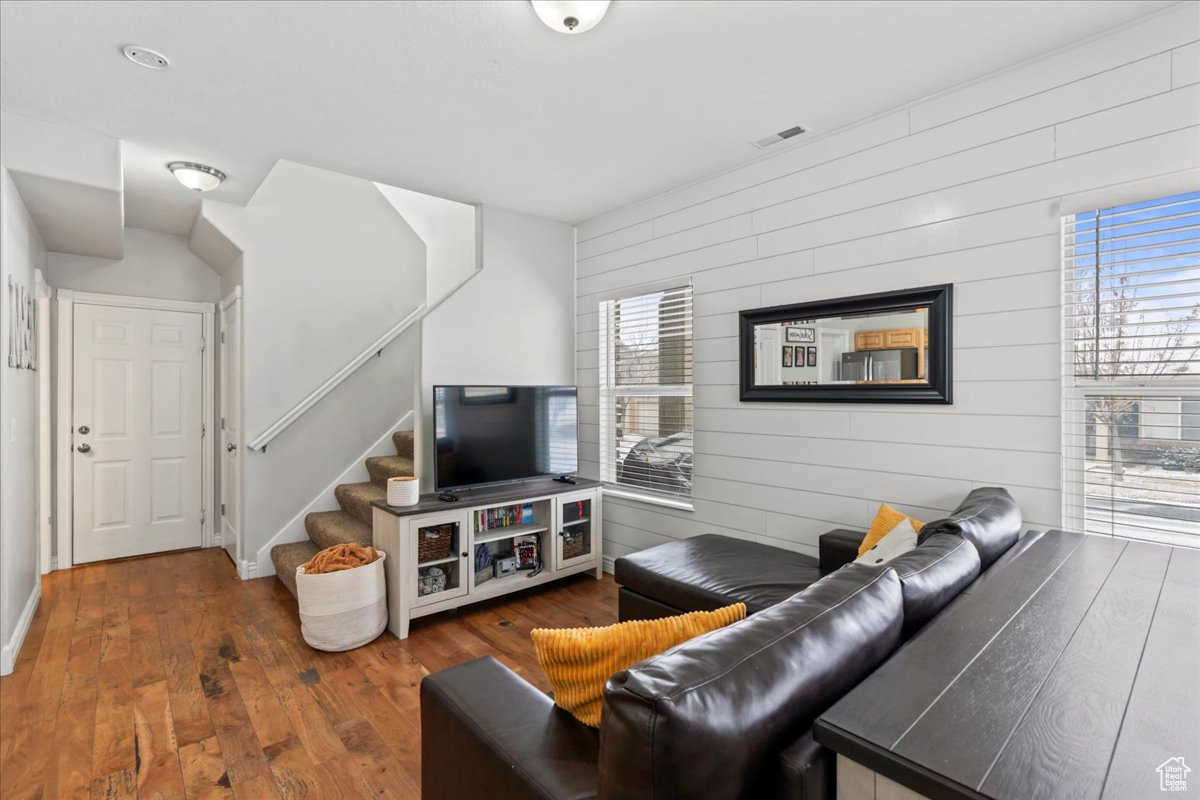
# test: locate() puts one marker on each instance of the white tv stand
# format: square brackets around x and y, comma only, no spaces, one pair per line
[564,519]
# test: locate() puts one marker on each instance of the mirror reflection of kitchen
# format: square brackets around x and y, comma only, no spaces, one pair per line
[872,348]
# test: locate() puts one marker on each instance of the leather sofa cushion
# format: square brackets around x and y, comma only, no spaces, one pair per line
[707,718]
[988,518]
[804,770]
[932,575]
[709,571]
[487,732]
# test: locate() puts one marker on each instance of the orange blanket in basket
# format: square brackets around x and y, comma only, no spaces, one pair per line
[340,557]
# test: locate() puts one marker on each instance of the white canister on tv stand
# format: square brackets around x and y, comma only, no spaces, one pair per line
[403,491]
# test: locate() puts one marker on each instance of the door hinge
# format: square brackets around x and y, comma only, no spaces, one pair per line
[203,344]
[222,423]
[222,509]
[202,516]
[222,337]
[203,429]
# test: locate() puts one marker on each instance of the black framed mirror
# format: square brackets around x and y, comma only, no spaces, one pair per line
[888,347]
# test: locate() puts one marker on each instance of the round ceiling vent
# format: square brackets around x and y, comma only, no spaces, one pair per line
[145,57]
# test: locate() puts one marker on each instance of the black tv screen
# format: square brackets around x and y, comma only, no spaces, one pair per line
[500,434]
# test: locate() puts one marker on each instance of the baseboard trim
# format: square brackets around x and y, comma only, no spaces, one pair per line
[609,564]
[247,570]
[12,648]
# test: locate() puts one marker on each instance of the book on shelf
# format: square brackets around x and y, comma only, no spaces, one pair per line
[489,519]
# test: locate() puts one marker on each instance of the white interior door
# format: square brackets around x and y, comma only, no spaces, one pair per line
[231,427]
[137,411]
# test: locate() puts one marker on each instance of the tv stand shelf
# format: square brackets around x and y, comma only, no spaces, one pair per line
[434,547]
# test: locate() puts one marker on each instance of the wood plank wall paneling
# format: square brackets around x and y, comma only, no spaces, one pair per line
[961,188]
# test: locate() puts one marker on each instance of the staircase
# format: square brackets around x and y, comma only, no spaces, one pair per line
[353,522]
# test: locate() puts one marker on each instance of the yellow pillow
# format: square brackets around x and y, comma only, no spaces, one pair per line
[885,520]
[579,661]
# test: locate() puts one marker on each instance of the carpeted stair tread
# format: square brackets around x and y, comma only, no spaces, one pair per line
[356,498]
[381,468]
[286,557]
[327,528]
[403,441]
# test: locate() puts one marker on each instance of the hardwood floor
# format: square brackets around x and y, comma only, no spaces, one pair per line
[167,677]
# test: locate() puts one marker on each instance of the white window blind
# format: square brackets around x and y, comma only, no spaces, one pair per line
[646,391]
[1131,371]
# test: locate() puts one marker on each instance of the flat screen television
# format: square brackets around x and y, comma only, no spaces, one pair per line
[486,435]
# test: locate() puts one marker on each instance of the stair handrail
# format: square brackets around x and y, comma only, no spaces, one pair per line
[260,442]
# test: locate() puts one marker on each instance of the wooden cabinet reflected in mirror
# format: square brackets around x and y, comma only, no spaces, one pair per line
[889,347]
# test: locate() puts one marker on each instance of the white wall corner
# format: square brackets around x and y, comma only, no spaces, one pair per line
[294,530]
[12,648]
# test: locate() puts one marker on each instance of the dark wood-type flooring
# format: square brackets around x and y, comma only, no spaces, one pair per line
[167,677]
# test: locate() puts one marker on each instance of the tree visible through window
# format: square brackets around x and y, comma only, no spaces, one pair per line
[1131,378]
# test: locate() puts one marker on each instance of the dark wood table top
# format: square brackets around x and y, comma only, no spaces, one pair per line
[484,495]
[1073,672]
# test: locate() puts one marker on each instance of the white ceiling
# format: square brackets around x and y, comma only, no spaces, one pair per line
[480,102]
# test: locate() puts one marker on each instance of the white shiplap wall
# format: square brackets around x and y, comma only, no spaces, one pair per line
[962,188]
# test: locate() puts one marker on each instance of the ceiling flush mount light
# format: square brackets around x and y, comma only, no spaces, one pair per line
[145,57]
[570,16]
[197,177]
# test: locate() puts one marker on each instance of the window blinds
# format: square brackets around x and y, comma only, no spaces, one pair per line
[1131,370]
[646,391]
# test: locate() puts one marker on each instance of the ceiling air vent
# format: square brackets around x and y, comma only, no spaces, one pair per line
[776,138]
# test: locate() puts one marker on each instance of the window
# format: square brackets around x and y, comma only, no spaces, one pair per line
[646,391]
[1131,371]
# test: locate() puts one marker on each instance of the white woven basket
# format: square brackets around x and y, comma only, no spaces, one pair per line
[403,491]
[343,610]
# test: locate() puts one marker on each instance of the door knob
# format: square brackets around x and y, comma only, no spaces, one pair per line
[85,430]
[229,448]
[84,448]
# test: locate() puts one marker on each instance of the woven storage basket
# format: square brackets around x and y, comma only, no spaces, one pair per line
[343,610]
[402,492]
[434,543]
[574,545]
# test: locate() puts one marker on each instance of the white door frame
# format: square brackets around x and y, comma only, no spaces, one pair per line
[65,424]
[244,571]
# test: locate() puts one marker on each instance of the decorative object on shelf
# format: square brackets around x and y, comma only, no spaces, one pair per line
[800,334]
[403,491]
[574,544]
[434,543]
[22,322]
[432,581]
[527,551]
[483,564]
[504,566]
[344,608]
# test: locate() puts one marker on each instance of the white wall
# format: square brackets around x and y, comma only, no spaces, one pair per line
[155,264]
[511,324]
[328,267]
[70,181]
[963,188]
[21,252]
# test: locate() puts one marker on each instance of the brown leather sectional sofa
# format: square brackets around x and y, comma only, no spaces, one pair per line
[727,715]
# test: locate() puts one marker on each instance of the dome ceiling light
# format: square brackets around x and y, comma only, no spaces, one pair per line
[197,177]
[570,16]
